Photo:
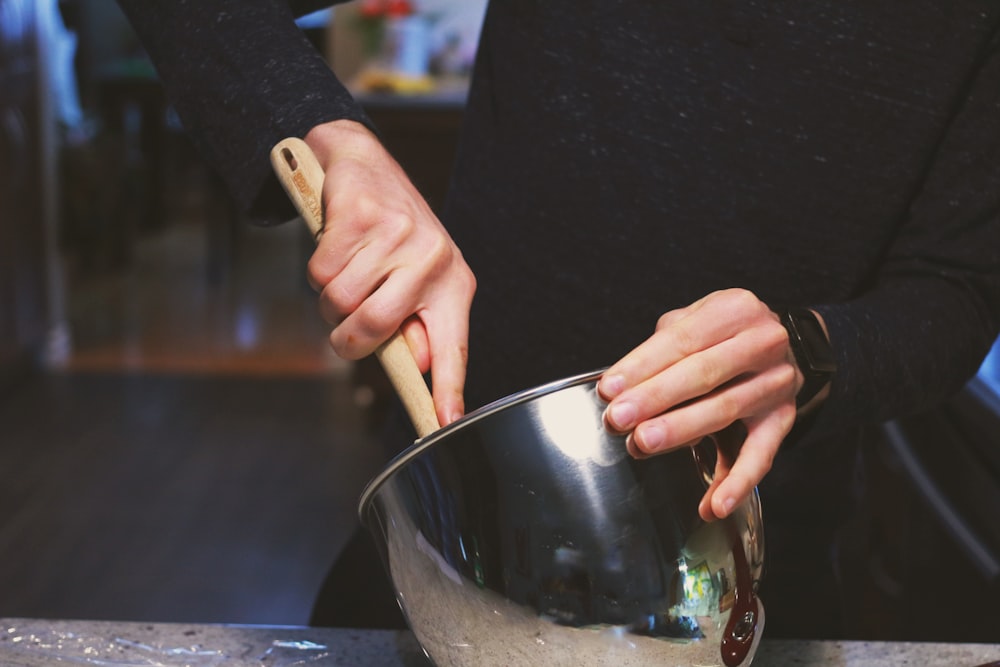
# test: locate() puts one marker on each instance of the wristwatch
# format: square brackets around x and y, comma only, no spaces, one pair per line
[813,352]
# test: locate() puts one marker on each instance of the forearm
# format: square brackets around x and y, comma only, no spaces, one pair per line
[906,346]
[241,76]
[924,322]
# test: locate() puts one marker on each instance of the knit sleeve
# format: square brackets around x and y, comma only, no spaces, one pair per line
[241,76]
[933,309]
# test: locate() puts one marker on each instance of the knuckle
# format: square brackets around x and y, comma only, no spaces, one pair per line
[742,298]
[768,459]
[469,281]
[338,299]
[730,408]
[396,227]
[787,416]
[775,335]
[364,205]
[440,254]
[434,254]
[764,464]
[684,338]
[781,336]
[470,290]
[784,376]
[374,321]
[710,374]
[342,300]
[317,272]
[771,341]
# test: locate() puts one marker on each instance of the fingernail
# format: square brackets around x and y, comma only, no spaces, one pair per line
[705,510]
[652,438]
[621,415]
[612,385]
[728,504]
[634,451]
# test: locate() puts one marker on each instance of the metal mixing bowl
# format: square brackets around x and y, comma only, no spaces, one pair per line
[524,534]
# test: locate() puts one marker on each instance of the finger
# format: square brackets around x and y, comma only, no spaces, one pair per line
[370,262]
[345,294]
[341,240]
[447,369]
[764,437]
[637,453]
[696,376]
[680,334]
[449,360]
[415,334]
[326,262]
[680,339]
[614,380]
[741,399]
[705,510]
[377,318]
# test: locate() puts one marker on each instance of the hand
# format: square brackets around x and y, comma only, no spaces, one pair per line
[385,262]
[722,359]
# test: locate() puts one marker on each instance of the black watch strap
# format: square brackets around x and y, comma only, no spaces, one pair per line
[812,351]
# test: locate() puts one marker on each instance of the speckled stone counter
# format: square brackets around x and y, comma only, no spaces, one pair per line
[34,643]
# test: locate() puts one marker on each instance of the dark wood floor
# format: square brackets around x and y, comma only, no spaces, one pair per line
[199,454]
[175,497]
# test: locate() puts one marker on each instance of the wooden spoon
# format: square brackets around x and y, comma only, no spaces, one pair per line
[302,177]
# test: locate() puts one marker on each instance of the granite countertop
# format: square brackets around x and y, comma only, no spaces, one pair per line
[37,642]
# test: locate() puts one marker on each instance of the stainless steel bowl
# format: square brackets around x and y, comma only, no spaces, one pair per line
[524,534]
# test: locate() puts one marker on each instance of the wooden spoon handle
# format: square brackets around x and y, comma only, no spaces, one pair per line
[302,177]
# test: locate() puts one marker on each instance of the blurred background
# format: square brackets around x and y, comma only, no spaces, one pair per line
[177,441]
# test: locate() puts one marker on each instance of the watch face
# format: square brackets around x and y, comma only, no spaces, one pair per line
[812,351]
[809,344]
[817,346]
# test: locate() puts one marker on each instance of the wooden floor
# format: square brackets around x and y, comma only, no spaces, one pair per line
[198,454]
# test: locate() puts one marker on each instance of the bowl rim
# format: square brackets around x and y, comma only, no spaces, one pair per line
[423,444]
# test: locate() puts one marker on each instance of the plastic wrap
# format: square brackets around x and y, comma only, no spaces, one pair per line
[33,643]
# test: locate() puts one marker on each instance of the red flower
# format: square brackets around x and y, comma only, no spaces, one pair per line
[398,8]
[378,8]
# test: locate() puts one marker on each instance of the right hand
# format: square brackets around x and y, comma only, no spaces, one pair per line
[386,263]
[721,360]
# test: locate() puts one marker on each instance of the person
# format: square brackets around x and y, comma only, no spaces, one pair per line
[649,187]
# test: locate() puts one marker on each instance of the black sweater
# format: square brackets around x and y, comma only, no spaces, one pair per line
[619,159]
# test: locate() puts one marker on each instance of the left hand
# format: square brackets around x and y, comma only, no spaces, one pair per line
[724,358]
